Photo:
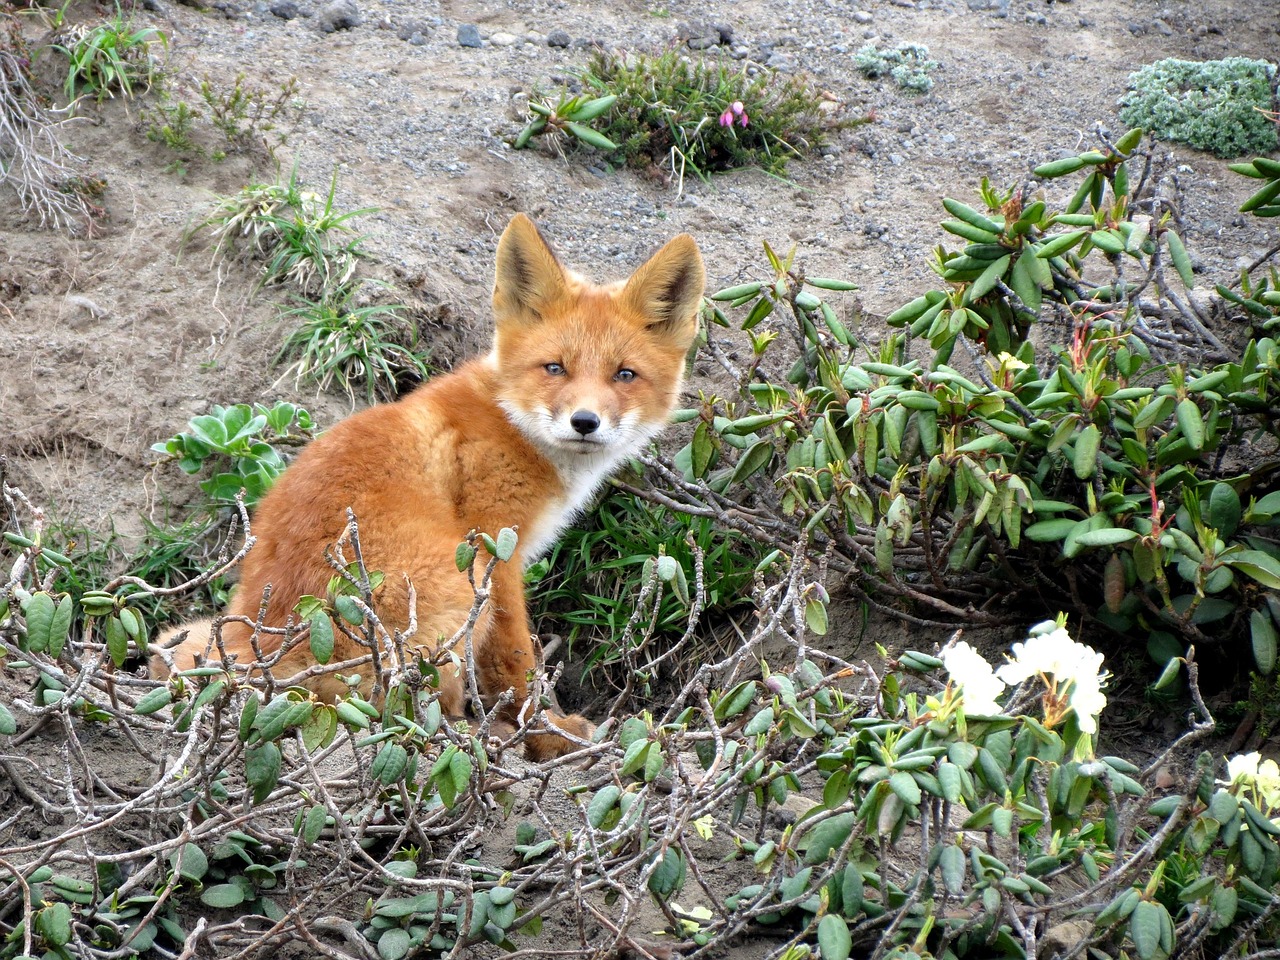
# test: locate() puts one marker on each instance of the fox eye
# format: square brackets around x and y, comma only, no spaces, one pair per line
[625,375]
[554,369]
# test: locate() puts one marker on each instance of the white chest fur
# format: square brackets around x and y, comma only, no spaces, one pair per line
[582,476]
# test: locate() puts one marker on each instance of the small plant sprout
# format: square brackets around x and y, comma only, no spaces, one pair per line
[111,56]
[338,341]
[302,238]
[569,117]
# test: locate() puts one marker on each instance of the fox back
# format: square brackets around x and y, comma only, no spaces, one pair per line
[580,377]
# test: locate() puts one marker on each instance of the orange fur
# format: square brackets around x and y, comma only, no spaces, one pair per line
[521,437]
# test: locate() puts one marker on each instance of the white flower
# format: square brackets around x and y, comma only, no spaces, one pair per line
[970,671]
[1049,651]
[1008,361]
[1250,771]
[1088,700]
[1242,767]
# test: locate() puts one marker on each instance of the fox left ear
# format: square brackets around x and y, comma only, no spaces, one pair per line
[528,278]
[668,289]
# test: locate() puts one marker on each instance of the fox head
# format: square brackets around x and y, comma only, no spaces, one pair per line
[584,370]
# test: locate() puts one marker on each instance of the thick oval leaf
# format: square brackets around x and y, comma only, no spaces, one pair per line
[1190,423]
[1145,926]
[1263,635]
[8,725]
[953,864]
[833,938]
[223,896]
[321,637]
[39,611]
[1106,538]
[54,923]
[194,862]
[1084,460]
[1260,566]
[506,543]
[394,943]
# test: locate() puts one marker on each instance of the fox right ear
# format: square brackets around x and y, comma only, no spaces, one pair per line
[528,276]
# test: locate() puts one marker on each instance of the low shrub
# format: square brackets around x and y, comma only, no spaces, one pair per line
[1226,107]
[1090,474]
[692,115]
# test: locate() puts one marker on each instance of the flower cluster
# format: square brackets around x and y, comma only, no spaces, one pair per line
[1071,672]
[735,110]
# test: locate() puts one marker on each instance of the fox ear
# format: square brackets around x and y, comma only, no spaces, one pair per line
[668,289]
[528,275]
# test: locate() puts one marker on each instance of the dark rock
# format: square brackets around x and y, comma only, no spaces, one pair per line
[338,15]
[558,38]
[285,9]
[469,35]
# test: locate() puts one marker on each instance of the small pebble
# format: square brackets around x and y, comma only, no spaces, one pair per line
[558,38]
[469,36]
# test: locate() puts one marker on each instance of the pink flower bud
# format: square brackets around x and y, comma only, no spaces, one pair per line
[726,118]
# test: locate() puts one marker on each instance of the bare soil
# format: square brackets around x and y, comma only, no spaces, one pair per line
[113,339]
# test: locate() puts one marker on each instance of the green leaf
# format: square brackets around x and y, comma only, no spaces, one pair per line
[39,611]
[1084,460]
[54,923]
[1045,531]
[593,108]
[1224,509]
[1262,631]
[905,786]
[1107,537]
[815,616]
[590,137]
[755,459]
[8,725]
[262,770]
[1190,423]
[349,610]
[194,862]
[988,279]
[313,825]
[117,641]
[60,626]
[833,938]
[321,637]
[1181,262]
[1145,929]
[223,896]
[506,543]
[464,556]
[1260,566]
[953,864]
[394,943]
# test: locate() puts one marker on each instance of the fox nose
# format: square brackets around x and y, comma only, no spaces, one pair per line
[584,421]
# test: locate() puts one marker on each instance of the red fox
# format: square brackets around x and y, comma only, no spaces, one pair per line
[579,378]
